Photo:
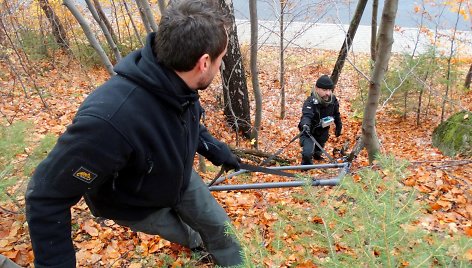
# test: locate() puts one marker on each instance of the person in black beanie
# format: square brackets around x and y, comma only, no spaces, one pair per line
[320,110]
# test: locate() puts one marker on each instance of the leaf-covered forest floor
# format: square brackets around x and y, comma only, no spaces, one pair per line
[444,183]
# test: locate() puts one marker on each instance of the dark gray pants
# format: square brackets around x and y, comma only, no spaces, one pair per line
[309,148]
[197,218]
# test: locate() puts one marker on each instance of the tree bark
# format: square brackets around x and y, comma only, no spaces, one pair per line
[105,20]
[92,39]
[373,31]
[468,77]
[449,63]
[351,32]
[105,31]
[282,61]
[385,41]
[135,29]
[255,72]
[162,5]
[57,29]
[150,17]
[235,93]
[145,20]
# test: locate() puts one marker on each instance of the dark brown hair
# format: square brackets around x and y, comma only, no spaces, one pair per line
[187,30]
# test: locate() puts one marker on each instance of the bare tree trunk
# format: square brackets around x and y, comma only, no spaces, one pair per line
[385,41]
[451,54]
[136,32]
[162,5]
[105,20]
[351,32]
[146,24]
[255,72]
[92,39]
[150,17]
[373,31]
[57,29]
[468,77]
[235,93]
[115,16]
[105,31]
[282,61]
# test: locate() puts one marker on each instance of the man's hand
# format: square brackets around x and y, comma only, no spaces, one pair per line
[338,132]
[306,128]
[232,163]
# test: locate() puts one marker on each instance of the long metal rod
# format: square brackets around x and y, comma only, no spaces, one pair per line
[267,185]
[301,167]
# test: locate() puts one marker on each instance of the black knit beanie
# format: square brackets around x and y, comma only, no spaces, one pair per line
[325,82]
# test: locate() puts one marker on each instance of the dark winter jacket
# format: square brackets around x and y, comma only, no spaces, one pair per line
[129,151]
[312,112]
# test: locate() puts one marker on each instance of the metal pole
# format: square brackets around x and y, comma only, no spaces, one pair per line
[267,185]
[301,167]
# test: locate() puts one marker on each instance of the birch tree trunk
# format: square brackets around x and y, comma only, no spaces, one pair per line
[105,31]
[235,93]
[449,67]
[150,17]
[90,36]
[351,32]
[282,61]
[135,29]
[255,72]
[385,41]
[162,5]
[145,20]
[103,17]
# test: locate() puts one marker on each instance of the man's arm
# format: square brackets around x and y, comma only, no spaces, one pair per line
[337,118]
[308,113]
[82,159]
[216,151]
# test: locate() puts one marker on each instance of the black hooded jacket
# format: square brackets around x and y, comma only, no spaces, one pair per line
[129,151]
[312,112]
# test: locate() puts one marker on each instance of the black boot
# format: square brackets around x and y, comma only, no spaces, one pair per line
[306,161]
[201,255]
[317,156]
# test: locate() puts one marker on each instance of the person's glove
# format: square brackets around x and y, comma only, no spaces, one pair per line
[232,163]
[306,128]
[337,132]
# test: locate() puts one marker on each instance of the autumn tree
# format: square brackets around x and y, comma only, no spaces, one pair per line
[468,78]
[57,29]
[235,92]
[255,72]
[90,36]
[351,32]
[385,41]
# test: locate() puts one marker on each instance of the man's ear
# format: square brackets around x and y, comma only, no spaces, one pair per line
[204,62]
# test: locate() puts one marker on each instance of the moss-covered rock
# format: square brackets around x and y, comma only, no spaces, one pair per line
[454,136]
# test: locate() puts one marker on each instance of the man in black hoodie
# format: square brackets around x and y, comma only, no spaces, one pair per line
[319,111]
[130,148]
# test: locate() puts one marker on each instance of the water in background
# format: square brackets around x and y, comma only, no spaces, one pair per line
[325,11]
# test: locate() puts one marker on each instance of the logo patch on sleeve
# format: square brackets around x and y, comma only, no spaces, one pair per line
[85,175]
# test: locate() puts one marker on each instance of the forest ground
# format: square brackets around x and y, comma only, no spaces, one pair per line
[444,183]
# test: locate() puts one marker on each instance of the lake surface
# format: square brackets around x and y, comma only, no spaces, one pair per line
[335,12]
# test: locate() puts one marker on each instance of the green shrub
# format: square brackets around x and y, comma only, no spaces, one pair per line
[370,222]
[36,45]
